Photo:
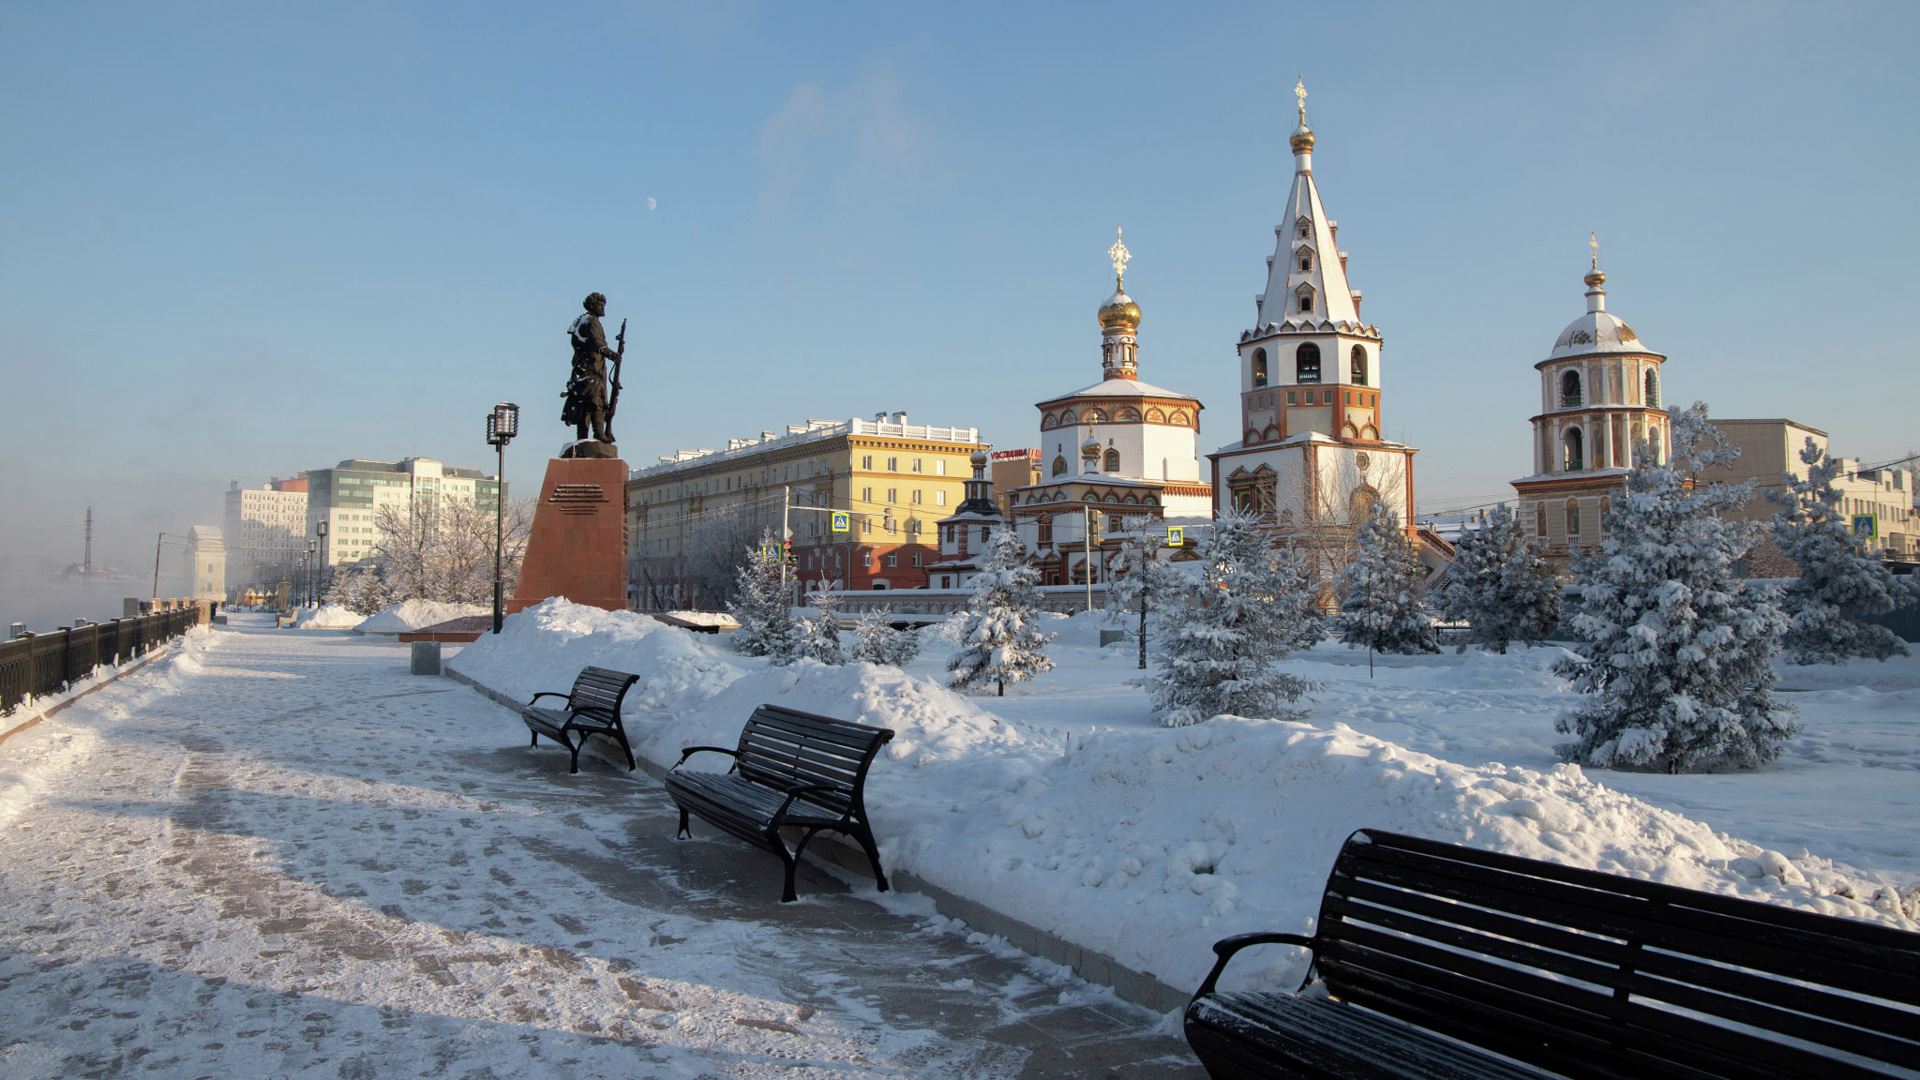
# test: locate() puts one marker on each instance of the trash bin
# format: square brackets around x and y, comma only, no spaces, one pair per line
[1108,637]
[426,658]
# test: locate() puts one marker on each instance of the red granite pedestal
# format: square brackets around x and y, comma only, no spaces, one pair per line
[578,548]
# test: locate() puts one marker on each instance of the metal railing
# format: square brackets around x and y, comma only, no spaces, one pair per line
[36,665]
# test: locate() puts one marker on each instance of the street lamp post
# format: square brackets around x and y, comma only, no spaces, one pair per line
[503,423]
[311,548]
[319,530]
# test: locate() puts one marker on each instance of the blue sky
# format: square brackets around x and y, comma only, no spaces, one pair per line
[240,240]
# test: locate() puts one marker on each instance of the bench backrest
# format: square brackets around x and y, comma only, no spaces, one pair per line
[598,691]
[1596,975]
[785,747]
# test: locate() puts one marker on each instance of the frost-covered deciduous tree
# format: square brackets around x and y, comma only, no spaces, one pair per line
[767,626]
[819,635]
[879,643]
[1381,606]
[1500,585]
[443,549]
[358,588]
[1676,657]
[1221,633]
[1838,582]
[1001,641]
[1138,581]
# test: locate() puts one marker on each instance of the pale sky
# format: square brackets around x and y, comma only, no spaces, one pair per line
[242,240]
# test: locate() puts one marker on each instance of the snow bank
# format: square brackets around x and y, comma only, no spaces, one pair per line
[414,614]
[1146,845]
[328,617]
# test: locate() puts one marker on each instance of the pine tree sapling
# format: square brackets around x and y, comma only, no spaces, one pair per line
[820,634]
[1381,606]
[1221,633]
[1838,581]
[879,643]
[1136,581]
[1001,642]
[1500,586]
[767,626]
[1676,652]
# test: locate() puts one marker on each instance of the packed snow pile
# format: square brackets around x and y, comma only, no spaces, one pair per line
[328,617]
[705,618]
[1141,843]
[414,614]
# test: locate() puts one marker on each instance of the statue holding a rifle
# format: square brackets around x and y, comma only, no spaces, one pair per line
[591,396]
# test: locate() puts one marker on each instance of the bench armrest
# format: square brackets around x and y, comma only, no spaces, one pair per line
[692,750]
[1225,949]
[547,693]
[792,794]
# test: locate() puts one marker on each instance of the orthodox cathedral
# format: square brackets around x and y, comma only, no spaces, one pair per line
[1120,447]
[1599,406]
[1310,456]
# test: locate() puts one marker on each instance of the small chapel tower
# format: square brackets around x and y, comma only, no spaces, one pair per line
[1310,453]
[1599,401]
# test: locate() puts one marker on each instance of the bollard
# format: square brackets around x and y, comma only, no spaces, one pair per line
[426,658]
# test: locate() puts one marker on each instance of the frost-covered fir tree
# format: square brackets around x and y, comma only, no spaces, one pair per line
[767,626]
[1381,606]
[1221,633]
[1138,581]
[819,635]
[1838,582]
[1500,585]
[360,589]
[1676,656]
[879,643]
[1001,642]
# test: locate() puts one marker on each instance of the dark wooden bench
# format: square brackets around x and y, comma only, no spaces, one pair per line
[593,708]
[1434,960]
[791,770]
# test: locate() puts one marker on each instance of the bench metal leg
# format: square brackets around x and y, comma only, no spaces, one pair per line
[535,744]
[865,836]
[787,895]
[575,750]
[685,834]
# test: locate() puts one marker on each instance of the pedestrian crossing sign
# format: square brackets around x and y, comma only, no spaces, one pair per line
[842,522]
[1866,527]
[1176,535]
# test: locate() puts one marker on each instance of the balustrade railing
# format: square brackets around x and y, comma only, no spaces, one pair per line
[37,665]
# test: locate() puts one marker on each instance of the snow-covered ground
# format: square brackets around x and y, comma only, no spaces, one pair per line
[1064,805]
[276,853]
[414,614]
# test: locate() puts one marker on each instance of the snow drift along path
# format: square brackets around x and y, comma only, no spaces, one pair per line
[1145,845]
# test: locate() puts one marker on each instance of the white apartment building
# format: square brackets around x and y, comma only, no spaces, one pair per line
[265,532]
[350,496]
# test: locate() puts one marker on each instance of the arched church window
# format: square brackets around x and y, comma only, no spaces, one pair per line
[1306,363]
[1306,298]
[1360,504]
[1575,445]
[1573,521]
[1358,363]
[1653,390]
[1060,466]
[1112,462]
[1306,259]
[1259,367]
[1569,389]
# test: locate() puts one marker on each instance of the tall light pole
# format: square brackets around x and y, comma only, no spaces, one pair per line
[319,530]
[311,547]
[503,423]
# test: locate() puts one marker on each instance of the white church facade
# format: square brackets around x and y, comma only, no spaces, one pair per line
[1311,455]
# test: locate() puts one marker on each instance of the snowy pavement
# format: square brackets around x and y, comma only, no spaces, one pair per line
[275,853]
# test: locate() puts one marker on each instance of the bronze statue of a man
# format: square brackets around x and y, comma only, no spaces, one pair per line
[589,405]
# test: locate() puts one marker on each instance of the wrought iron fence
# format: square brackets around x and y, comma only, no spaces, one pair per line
[35,665]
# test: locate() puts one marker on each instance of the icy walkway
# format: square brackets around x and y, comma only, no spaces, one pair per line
[278,854]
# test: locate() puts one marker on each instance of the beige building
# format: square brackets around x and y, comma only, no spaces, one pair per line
[1877,503]
[692,517]
[265,532]
[206,563]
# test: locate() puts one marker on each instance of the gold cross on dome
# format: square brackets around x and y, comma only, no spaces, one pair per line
[1593,241]
[1300,91]
[1120,255]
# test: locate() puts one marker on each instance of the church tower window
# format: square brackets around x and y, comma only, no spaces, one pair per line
[1575,459]
[1259,367]
[1060,466]
[1112,464]
[1306,363]
[1306,260]
[1306,298]
[1359,365]
[1653,390]
[1570,389]
[1573,521]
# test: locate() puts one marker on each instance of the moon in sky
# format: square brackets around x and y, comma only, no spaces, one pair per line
[650,203]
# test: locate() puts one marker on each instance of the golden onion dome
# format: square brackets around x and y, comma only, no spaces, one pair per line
[1119,312]
[1595,278]
[979,459]
[1302,140]
[1090,449]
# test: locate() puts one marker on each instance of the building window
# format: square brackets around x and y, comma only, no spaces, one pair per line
[866,558]
[1306,299]
[1570,389]
[1112,463]
[1326,397]
[1358,363]
[866,461]
[893,560]
[1306,363]
[1059,466]
[893,495]
[1540,519]
[1259,367]
[916,464]
[916,496]
[1573,522]
[1046,530]
[1574,458]
[866,494]
[1349,397]
[1290,400]
[1653,390]
[939,498]
[916,558]
[940,467]
[1306,260]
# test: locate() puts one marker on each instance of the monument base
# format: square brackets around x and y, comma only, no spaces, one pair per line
[577,548]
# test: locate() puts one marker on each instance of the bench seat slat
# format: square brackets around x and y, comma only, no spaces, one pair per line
[593,708]
[1319,1036]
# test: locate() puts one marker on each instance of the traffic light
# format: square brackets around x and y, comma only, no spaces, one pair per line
[786,551]
[1096,527]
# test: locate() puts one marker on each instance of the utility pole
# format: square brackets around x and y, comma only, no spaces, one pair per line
[86,565]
